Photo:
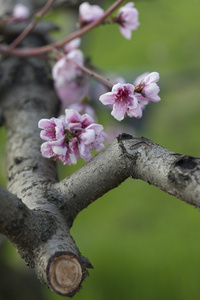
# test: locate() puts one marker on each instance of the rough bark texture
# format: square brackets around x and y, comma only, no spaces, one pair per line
[36,210]
[176,174]
[30,98]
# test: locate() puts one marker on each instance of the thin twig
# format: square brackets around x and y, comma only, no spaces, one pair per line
[30,27]
[59,44]
[93,74]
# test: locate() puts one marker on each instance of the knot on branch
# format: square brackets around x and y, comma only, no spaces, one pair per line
[186,163]
[182,171]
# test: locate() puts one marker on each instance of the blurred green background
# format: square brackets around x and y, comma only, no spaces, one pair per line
[143,243]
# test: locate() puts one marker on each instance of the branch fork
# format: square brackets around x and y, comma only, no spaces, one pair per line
[37,211]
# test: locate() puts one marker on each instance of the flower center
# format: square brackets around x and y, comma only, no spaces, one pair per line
[123,95]
[139,88]
[68,136]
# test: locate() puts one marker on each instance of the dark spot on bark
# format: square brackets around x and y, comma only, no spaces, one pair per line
[124,136]
[187,163]
[35,167]
[10,178]
[181,171]
[21,206]
[18,160]
[26,189]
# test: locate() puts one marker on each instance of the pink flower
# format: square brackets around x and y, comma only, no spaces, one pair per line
[65,70]
[75,121]
[146,88]
[123,101]
[89,13]
[87,135]
[58,152]
[70,137]
[71,84]
[91,139]
[55,146]
[53,130]
[20,12]
[74,44]
[83,108]
[127,18]
[97,89]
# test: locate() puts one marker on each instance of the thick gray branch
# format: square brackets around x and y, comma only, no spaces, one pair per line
[27,95]
[138,158]
[28,176]
[176,174]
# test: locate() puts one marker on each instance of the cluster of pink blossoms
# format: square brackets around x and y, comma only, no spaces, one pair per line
[127,17]
[129,100]
[70,137]
[71,84]
[74,135]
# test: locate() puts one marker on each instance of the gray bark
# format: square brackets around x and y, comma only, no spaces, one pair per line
[138,158]
[28,174]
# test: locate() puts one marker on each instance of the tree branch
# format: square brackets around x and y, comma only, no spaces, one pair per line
[47,235]
[138,158]
[104,172]
[175,174]
[47,48]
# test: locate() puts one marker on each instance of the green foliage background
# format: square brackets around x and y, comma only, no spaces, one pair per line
[143,243]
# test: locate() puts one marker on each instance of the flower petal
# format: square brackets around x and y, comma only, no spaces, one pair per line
[119,111]
[107,98]
[137,112]
[87,137]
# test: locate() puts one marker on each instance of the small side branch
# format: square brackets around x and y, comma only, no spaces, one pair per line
[138,158]
[59,44]
[31,26]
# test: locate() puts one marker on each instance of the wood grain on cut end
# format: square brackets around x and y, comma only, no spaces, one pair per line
[64,274]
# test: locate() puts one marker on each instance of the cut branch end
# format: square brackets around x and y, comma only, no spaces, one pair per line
[64,273]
